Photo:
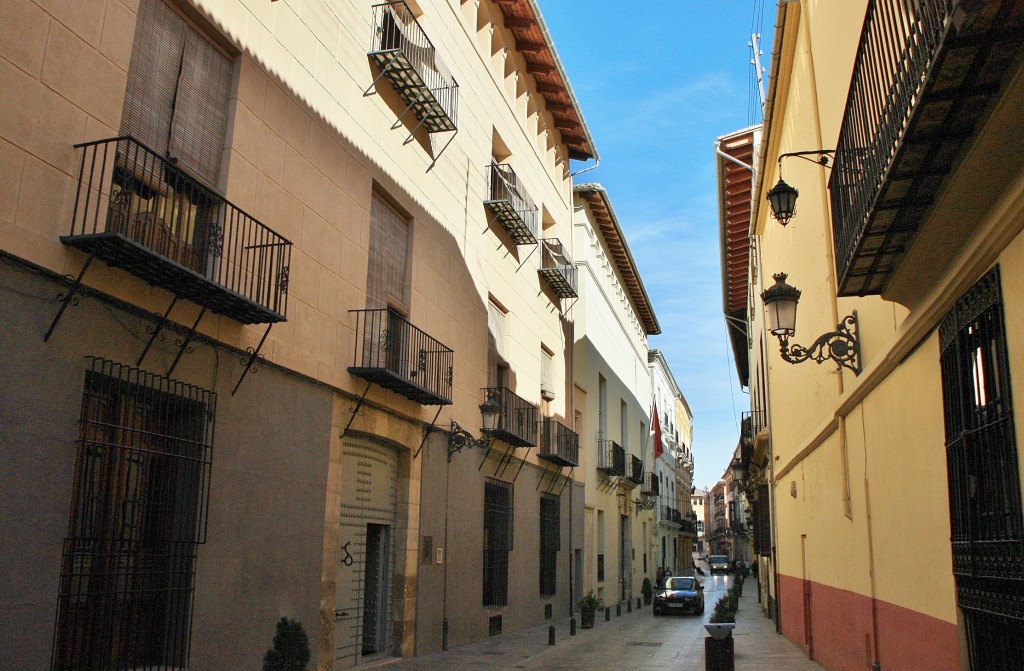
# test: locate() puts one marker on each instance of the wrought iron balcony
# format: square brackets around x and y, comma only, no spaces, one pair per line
[925,75]
[688,527]
[517,421]
[636,470]
[408,59]
[510,204]
[557,268]
[398,356]
[611,457]
[558,443]
[136,210]
[652,486]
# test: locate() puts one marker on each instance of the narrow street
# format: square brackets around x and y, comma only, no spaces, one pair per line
[638,641]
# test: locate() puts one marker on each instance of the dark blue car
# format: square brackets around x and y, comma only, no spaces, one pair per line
[680,595]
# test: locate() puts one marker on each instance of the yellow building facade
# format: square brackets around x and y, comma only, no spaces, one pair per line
[891,470]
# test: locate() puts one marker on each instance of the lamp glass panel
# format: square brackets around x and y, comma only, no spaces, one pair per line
[782,317]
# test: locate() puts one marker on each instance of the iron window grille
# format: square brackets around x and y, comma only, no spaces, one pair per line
[406,56]
[652,487]
[138,513]
[559,444]
[557,268]
[600,567]
[636,470]
[510,204]
[517,420]
[550,544]
[611,457]
[498,520]
[136,210]
[984,485]
[398,356]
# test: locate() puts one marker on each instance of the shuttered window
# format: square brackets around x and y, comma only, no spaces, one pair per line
[176,100]
[387,282]
[498,515]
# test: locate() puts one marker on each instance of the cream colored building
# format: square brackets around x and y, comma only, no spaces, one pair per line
[612,321]
[676,524]
[892,467]
[262,263]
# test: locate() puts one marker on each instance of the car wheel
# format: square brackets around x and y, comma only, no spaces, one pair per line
[701,611]
[657,611]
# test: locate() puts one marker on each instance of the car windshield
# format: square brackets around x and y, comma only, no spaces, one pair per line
[679,583]
[719,559]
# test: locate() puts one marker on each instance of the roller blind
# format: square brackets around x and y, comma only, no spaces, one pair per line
[176,98]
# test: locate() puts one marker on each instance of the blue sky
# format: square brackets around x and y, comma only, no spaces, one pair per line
[657,83]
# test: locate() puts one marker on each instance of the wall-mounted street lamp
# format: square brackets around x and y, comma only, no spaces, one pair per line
[739,470]
[841,346]
[459,438]
[782,197]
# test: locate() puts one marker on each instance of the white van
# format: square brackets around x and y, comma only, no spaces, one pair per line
[719,563]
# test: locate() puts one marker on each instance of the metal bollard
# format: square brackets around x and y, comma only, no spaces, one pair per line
[629,606]
[551,635]
[572,626]
[638,604]
[618,610]
[607,614]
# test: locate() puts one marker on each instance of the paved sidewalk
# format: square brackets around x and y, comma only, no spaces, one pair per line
[757,645]
[635,640]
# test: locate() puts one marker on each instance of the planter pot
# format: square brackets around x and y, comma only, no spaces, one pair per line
[720,630]
[587,617]
[719,654]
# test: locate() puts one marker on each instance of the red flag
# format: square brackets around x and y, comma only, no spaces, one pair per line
[658,447]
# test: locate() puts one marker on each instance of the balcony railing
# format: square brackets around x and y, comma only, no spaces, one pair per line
[398,356]
[557,268]
[558,443]
[510,204]
[408,59]
[920,87]
[652,486]
[517,421]
[136,210]
[611,457]
[636,470]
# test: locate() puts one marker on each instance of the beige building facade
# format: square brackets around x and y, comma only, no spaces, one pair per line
[892,469]
[262,265]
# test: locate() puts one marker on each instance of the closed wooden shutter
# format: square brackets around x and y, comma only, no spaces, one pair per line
[387,277]
[176,98]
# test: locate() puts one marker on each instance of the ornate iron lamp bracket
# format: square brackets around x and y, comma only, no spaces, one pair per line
[460,439]
[841,346]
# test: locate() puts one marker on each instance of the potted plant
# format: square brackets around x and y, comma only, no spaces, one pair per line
[648,592]
[589,604]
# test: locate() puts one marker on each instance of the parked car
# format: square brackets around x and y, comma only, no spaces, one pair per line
[719,564]
[681,594]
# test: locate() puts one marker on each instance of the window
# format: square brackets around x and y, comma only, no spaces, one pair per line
[497,326]
[137,514]
[387,283]
[498,516]
[986,522]
[176,104]
[600,546]
[547,365]
[602,406]
[550,544]
[176,99]
[623,424]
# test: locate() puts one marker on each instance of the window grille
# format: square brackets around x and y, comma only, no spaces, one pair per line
[387,272]
[140,495]
[176,99]
[550,544]
[498,516]
[986,522]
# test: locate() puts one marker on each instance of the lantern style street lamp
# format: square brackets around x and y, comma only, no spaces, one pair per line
[782,197]
[460,439]
[841,346]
